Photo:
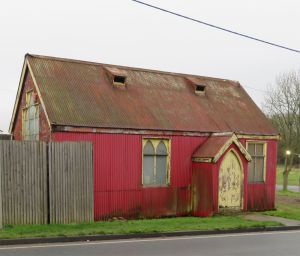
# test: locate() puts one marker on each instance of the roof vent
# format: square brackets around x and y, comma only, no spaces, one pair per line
[119,80]
[200,89]
[197,84]
[117,76]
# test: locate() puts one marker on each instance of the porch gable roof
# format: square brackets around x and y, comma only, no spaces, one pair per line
[215,146]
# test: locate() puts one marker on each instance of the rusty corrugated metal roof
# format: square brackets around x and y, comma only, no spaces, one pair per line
[77,93]
[216,145]
[211,147]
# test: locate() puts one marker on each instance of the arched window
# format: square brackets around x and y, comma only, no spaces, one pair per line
[30,127]
[161,164]
[148,163]
[155,162]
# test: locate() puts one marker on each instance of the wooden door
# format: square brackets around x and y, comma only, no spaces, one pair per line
[230,182]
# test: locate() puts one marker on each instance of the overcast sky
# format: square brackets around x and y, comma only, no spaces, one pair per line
[126,33]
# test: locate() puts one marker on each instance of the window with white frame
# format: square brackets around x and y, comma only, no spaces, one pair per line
[156,159]
[30,127]
[256,167]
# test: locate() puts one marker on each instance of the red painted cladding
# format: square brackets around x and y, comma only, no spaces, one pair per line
[206,185]
[203,195]
[100,109]
[118,175]
[261,196]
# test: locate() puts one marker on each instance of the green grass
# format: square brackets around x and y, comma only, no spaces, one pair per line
[288,193]
[132,226]
[294,176]
[288,205]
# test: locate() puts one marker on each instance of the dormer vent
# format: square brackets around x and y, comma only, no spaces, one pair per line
[119,80]
[117,76]
[199,88]
[198,85]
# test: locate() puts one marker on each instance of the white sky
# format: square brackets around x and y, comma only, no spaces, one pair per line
[126,33]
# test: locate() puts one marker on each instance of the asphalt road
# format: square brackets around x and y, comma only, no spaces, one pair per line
[252,244]
[290,188]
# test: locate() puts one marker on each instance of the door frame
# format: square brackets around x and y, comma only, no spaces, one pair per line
[242,177]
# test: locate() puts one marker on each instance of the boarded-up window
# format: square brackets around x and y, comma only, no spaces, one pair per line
[31,118]
[155,162]
[256,168]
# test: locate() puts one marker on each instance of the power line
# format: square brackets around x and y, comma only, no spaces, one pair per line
[217,27]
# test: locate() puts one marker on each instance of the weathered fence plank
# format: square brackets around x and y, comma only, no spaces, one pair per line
[40,185]
[70,175]
[23,184]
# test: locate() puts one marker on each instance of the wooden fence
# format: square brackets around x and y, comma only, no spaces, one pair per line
[43,183]
[23,172]
[71,182]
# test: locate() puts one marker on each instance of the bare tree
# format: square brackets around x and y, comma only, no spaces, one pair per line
[282,106]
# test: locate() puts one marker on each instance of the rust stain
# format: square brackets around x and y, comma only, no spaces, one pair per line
[78,93]
[211,147]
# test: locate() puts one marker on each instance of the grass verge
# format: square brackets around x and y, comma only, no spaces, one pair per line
[294,176]
[132,226]
[287,204]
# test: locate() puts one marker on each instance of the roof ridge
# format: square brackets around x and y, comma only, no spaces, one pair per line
[131,68]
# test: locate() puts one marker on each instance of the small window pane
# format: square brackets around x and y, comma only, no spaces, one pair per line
[259,170]
[251,149]
[37,112]
[161,170]
[149,149]
[26,126]
[161,149]
[31,112]
[259,150]
[31,127]
[148,170]
[30,98]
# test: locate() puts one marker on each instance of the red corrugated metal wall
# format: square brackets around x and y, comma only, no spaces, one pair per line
[118,174]
[261,196]
[203,194]
[206,185]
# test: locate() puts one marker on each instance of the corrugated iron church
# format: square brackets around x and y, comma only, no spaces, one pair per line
[165,144]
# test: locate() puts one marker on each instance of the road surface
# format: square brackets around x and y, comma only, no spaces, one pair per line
[248,244]
[290,188]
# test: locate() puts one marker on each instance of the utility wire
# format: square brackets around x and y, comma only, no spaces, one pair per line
[217,27]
